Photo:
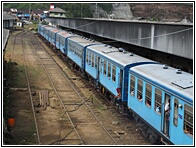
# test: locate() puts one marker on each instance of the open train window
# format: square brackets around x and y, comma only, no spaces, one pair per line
[188,120]
[93,60]
[139,90]
[79,51]
[175,112]
[96,60]
[158,97]
[89,60]
[114,73]
[101,66]
[109,70]
[86,56]
[148,95]
[104,67]
[74,49]
[132,85]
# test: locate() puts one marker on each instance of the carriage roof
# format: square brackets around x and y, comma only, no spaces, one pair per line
[117,55]
[168,77]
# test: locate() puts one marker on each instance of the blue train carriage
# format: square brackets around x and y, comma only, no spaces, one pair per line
[151,87]
[41,29]
[61,40]
[46,29]
[75,49]
[52,36]
[109,66]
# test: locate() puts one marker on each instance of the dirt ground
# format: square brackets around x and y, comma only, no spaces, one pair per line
[17,104]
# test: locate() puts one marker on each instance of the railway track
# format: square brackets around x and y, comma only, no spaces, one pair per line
[69,96]
[71,115]
[18,40]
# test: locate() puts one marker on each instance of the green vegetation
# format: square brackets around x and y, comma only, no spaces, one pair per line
[106,7]
[71,9]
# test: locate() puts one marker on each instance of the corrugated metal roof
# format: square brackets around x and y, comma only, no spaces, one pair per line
[8,17]
[57,9]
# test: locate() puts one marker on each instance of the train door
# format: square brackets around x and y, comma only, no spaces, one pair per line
[98,68]
[120,79]
[166,115]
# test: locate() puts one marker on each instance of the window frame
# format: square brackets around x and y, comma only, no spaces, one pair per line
[148,95]
[109,70]
[157,99]
[87,57]
[114,73]
[104,67]
[93,62]
[96,60]
[186,124]
[175,118]
[139,89]
[132,87]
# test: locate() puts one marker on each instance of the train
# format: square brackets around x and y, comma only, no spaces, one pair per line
[146,86]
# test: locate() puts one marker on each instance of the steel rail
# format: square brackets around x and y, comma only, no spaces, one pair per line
[54,88]
[29,88]
[82,99]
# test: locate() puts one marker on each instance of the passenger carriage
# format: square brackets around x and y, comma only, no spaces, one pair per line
[46,32]
[156,84]
[109,67]
[41,29]
[75,49]
[61,40]
[52,35]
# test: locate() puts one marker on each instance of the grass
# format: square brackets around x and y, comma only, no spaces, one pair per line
[31,26]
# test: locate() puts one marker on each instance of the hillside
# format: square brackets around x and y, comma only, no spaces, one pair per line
[162,11]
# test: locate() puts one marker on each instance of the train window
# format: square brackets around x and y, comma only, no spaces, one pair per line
[69,44]
[132,86]
[104,67]
[57,38]
[101,65]
[109,70]
[86,56]
[188,120]
[93,60]
[114,73]
[148,94]
[139,90]
[158,96]
[62,42]
[96,60]
[175,112]
[79,51]
[89,56]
